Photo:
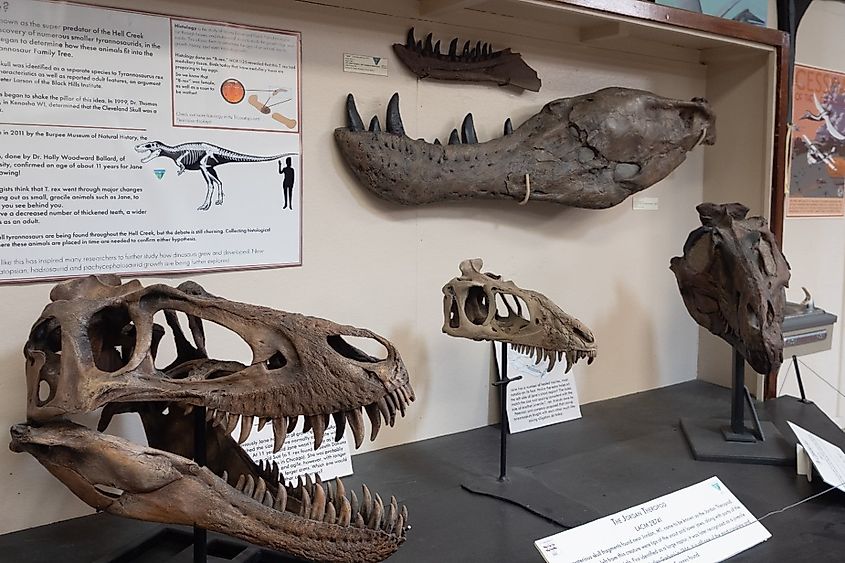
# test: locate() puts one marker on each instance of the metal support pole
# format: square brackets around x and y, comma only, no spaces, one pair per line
[738,399]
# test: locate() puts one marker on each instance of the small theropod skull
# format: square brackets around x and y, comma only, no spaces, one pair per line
[732,278]
[95,345]
[483,306]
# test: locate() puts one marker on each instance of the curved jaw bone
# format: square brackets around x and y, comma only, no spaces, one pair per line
[483,306]
[312,520]
[589,151]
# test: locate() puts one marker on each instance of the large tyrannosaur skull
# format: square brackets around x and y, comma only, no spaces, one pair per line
[483,306]
[732,278]
[95,346]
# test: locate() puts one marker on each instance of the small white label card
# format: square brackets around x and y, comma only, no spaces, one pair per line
[827,458]
[645,203]
[541,397]
[298,456]
[364,64]
[704,523]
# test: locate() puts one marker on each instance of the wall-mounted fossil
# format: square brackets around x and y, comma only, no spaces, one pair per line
[472,63]
[590,151]
[95,345]
[482,306]
[732,278]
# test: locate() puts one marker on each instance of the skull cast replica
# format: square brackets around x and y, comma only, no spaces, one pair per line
[732,278]
[478,305]
[589,151]
[95,345]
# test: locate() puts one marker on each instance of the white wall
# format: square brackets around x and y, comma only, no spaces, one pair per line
[816,247]
[380,266]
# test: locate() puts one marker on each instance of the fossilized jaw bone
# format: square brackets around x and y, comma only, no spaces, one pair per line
[479,63]
[732,278]
[96,345]
[483,306]
[589,151]
[124,479]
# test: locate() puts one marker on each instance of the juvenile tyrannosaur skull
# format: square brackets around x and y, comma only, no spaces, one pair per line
[95,346]
[483,306]
[732,278]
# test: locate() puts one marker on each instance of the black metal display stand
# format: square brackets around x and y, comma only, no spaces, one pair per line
[733,440]
[520,486]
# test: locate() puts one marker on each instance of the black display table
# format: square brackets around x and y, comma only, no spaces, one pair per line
[623,452]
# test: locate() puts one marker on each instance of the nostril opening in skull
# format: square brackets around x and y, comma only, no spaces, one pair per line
[370,351]
[45,392]
[476,306]
[454,316]
[276,361]
[111,334]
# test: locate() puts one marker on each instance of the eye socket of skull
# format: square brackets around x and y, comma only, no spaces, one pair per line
[112,334]
[340,344]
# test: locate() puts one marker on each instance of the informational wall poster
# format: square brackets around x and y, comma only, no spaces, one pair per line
[704,522]
[817,180]
[138,143]
[541,397]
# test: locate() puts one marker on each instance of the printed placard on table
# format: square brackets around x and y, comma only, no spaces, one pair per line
[705,523]
[139,143]
[817,176]
[541,397]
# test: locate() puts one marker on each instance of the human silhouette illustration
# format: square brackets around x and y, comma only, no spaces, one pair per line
[287,182]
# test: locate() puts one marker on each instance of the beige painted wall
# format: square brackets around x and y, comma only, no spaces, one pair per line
[816,247]
[380,266]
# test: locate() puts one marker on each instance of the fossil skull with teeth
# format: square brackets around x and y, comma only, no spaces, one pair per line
[483,306]
[732,278]
[95,345]
[589,151]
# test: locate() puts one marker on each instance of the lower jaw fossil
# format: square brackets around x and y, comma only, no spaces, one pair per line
[589,151]
[233,495]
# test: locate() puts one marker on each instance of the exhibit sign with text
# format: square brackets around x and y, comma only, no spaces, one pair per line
[817,178]
[705,523]
[140,143]
[540,397]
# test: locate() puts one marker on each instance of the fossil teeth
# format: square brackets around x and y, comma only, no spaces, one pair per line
[404,513]
[465,52]
[353,502]
[353,118]
[384,410]
[359,521]
[570,361]
[309,483]
[486,49]
[279,434]
[232,423]
[246,428]
[318,425]
[210,414]
[188,409]
[375,420]
[318,504]
[262,421]
[390,519]
[260,489]
[374,521]
[394,119]
[454,138]
[339,424]
[477,49]
[345,512]
[427,49]
[281,499]
[339,489]
[241,483]
[508,126]
[305,503]
[250,486]
[225,476]
[436,141]
[453,48]
[331,515]
[437,48]
[411,41]
[375,126]
[267,499]
[552,357]
[392,407]
[400,401]
[356,423]
[400,527]
[366,502]
[468,135]
[292,424]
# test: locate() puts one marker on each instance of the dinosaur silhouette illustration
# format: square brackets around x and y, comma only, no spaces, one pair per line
[203,157]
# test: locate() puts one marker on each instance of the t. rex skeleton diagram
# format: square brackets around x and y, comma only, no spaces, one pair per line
[203,157]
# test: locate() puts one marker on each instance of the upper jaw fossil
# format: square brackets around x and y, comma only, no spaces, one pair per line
[478,305]
[479,63]
[95,346]
[732,278]
[589,151]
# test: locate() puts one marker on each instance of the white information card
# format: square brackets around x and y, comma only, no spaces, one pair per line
[827,458]
[541,397]
[704,523]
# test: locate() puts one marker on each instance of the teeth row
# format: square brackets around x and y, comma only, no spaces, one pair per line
[469,53]
[328,503]
[383,410]
[552,356]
